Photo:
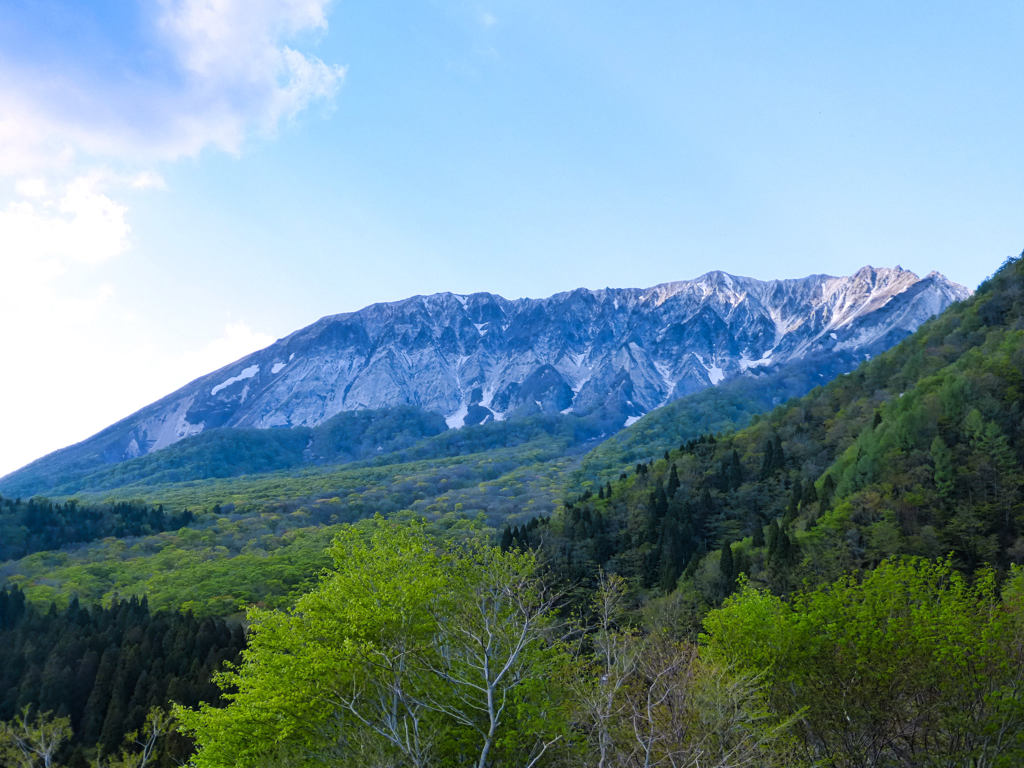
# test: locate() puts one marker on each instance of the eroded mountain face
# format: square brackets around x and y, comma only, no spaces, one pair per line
[617,352]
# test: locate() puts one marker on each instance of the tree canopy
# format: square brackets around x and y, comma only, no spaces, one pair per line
[407,650]
[911,664]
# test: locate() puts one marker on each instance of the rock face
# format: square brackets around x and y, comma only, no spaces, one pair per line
[616,353]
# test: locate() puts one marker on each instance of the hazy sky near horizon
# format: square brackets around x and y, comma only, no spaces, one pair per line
[184,181]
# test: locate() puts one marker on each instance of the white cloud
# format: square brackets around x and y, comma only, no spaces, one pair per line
[147,180]
[308,79]
[32,188]
[238,70]
[241,74]
[237,75]
[236,40]
[29,142]
[236,340]
[40,234]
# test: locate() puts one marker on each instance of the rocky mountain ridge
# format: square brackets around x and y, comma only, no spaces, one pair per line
[612,353]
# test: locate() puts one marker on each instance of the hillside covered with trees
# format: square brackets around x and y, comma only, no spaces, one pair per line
[917,452]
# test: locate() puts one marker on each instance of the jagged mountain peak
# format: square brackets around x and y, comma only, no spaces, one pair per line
[611,353]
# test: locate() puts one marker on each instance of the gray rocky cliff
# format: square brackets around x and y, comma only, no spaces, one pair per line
[614,354]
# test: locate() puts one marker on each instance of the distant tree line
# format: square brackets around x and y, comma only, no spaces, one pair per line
[39,524]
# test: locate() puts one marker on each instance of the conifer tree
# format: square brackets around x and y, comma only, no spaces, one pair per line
[726,569]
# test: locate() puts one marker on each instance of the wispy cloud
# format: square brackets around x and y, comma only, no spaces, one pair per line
[240,72]
[235,69]
[234,73]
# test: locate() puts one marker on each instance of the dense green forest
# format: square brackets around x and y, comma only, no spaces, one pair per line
[105,668]
[837,583]
[349,436]
[39,524]
[730,405]
[255,538]
[362,438]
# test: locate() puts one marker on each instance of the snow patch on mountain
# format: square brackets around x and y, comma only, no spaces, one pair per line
[457,418]
[247,373]
[715,373]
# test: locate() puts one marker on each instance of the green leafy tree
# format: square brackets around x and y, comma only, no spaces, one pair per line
[140,747]
[911,666]
[727,568]
[945,474]
[33,740]
[408,651]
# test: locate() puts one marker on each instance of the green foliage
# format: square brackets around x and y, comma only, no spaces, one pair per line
[919,452]
[250,547]
[228,452]
[370,437]
[30,740]
[729,406]
[408,650]
[40,524]
[211,571]
[912,665]
[141,747]
[648,699]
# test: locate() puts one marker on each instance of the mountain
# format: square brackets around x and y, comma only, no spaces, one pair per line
[611,354]
[919,451]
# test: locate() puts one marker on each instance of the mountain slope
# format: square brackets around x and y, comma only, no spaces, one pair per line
[730,406]
[918,451]
[612,354]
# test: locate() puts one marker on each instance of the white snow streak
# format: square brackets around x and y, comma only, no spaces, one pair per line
[457,418]
[247,373]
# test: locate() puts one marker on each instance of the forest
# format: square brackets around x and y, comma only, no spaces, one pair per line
[38,524]
[837,582]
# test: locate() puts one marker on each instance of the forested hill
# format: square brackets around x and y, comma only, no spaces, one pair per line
[730,406]
[919,451]
[219,453]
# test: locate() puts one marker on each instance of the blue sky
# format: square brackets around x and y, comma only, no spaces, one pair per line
[183,181]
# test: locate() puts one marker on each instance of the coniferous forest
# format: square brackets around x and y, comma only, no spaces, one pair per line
[104,668]
[837,583]
[38,524]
